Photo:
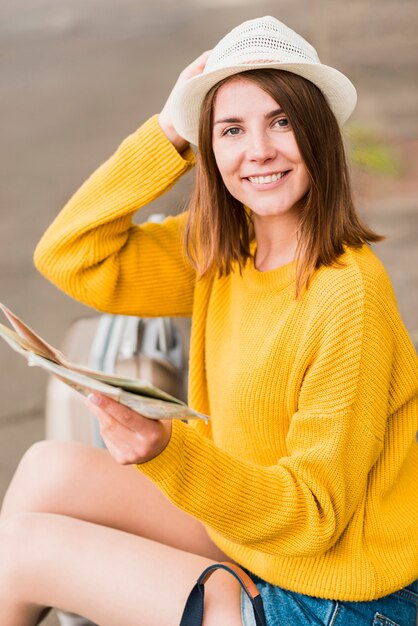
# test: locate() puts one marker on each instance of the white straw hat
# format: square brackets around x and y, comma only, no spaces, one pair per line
[260,43]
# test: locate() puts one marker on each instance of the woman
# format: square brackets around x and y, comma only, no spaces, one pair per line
[305,474]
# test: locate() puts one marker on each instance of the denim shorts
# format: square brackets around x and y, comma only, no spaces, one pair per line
[286,608]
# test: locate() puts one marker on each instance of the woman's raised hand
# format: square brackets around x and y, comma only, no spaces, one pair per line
[164,119]
[129,437]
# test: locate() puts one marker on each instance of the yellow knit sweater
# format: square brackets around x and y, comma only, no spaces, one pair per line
[307,474]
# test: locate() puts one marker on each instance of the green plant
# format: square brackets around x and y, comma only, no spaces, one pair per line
[369,152]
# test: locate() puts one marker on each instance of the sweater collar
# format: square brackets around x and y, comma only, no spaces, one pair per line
[271,280]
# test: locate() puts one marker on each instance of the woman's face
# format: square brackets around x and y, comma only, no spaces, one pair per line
[256,151]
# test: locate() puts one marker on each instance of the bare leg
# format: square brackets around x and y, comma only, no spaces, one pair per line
[86,483]
[110,576]
[76,560]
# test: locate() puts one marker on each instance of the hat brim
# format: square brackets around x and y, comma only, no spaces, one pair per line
[187,100]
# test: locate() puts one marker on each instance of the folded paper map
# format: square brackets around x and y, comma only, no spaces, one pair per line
[139,395]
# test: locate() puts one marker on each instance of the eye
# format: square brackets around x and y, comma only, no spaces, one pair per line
[232,131]
[282,122]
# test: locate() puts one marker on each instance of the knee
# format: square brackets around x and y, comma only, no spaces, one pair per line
[41,459]
[43,472]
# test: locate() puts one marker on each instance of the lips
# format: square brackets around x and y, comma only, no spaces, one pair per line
[269,178]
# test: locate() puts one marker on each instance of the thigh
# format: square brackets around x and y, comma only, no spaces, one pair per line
[86,483]
[109,576]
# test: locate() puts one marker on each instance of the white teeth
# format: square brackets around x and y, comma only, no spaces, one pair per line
[264,180]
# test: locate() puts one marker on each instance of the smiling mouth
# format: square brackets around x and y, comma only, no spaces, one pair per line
[265,180]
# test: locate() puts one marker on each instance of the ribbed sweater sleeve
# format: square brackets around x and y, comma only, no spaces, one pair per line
[95,253]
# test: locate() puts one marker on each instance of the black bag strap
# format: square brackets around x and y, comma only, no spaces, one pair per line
[193,611]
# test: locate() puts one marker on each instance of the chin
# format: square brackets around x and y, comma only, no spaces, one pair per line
[271,211]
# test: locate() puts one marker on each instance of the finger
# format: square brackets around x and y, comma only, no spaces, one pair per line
[104,418]
[121,441]
[129,436]
[202,59]
[197,66]
[110,429]
[125,416]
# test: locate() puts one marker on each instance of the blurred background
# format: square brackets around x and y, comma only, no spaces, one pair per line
[78,76]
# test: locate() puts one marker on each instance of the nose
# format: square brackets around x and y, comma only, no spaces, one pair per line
[260,147]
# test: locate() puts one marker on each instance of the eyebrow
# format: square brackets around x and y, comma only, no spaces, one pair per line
[239,120]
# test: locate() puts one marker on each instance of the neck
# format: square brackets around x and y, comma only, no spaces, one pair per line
[276,243]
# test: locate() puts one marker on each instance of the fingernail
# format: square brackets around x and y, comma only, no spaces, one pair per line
[94,398]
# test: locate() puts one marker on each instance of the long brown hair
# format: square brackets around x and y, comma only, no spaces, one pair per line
[219,231]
